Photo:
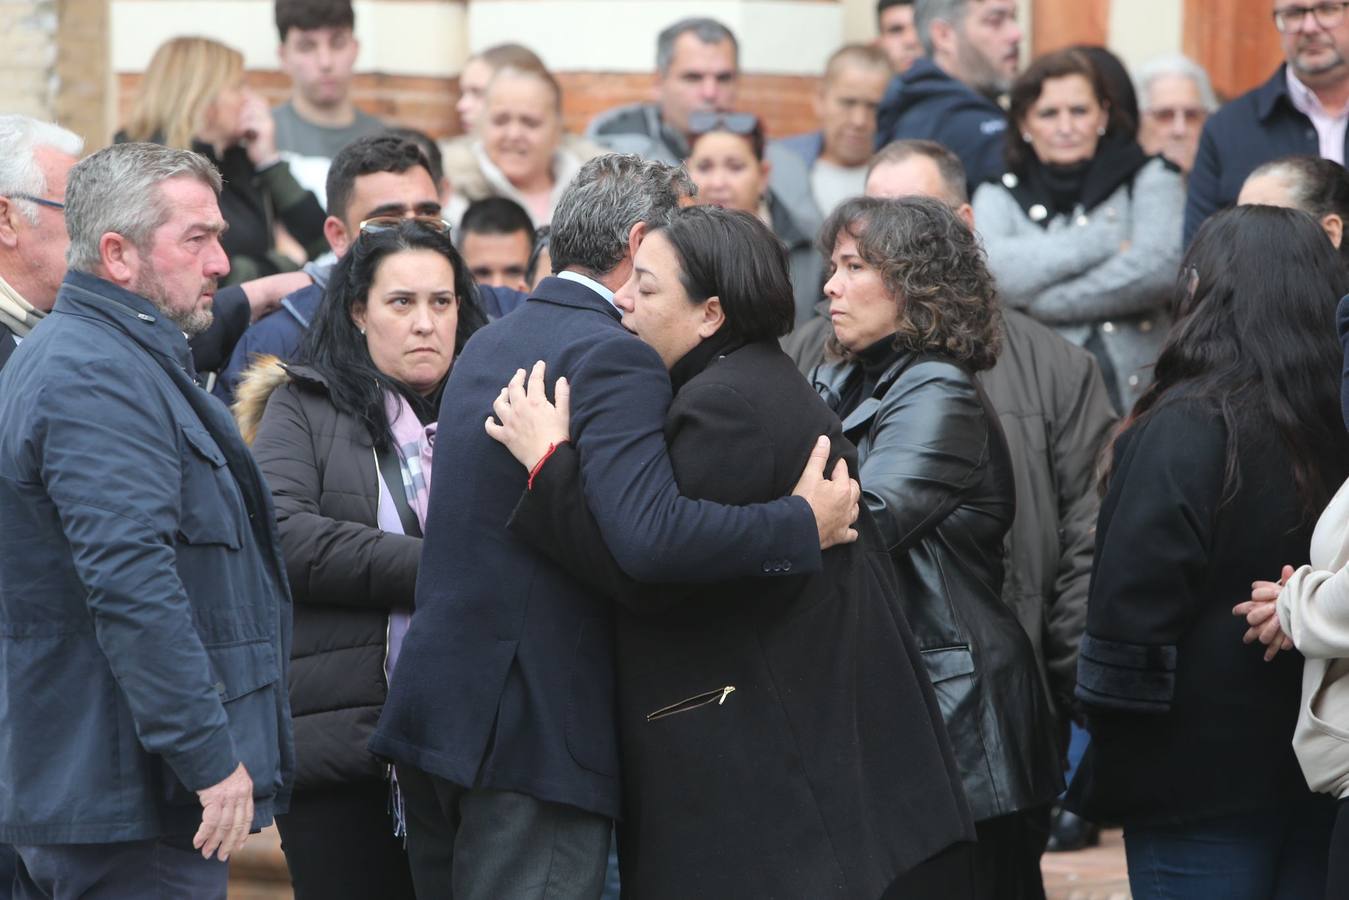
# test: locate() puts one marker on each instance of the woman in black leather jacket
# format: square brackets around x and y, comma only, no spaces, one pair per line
[915,316]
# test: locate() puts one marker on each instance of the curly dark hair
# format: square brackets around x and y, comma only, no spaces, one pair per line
[934,266]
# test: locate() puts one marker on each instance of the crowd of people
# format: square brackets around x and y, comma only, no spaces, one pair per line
[857,513]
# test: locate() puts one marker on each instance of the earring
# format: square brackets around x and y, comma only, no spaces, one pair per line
[1100,132]
[361,330]
[1025,136]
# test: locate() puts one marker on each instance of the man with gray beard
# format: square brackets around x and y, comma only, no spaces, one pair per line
[144,611]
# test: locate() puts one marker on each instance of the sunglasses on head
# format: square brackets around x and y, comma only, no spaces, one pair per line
[388,223]
[736,123]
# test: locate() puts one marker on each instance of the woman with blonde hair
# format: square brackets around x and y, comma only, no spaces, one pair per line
[194,96]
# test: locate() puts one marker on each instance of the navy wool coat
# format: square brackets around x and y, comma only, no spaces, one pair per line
[506,679]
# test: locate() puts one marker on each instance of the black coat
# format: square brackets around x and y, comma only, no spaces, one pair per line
[1188,722]
[779,737]
[346,574]
[936,474]
[506,678]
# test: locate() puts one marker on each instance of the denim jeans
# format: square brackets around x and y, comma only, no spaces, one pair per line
[1273,855]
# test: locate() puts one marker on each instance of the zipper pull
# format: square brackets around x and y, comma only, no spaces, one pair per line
[725,692]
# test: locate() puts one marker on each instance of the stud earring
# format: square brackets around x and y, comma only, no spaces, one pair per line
[1100,132]
[1025,136]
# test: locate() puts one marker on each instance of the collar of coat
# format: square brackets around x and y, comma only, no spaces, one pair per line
[1116,163]
[1269,94]
[91,297]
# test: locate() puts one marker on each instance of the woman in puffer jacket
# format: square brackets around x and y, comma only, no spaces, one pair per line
[344,439]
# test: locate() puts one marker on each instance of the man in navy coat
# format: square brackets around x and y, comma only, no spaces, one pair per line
[500,716]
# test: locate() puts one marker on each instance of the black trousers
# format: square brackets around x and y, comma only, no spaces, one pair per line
[339,844]
[1007,856]
[1337,875]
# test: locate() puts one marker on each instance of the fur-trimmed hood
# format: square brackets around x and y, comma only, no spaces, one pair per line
[255,388]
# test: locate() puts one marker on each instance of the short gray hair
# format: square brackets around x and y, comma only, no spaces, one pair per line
[925,12]
[20,136]
[1181,66]
[116,190]
[709,31]
[609,195]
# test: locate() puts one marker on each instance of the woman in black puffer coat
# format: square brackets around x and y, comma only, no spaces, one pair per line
[343,439]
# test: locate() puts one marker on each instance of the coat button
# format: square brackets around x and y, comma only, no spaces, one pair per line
[1108,327]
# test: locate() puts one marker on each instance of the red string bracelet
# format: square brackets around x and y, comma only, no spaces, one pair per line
[543,459]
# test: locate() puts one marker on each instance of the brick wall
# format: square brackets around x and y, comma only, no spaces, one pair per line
[428,103]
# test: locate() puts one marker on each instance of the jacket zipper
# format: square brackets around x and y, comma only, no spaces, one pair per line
[718,696]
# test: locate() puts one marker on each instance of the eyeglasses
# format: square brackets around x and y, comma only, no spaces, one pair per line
[40,201]
[1327,15]
[388,223]
[703,121]
[1165,115]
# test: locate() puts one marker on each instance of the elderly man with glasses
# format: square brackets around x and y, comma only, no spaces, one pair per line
[1301,111]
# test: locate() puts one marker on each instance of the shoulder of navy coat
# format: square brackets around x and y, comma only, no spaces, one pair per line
[278,334]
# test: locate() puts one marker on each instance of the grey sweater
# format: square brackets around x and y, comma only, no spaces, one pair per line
[1110,272]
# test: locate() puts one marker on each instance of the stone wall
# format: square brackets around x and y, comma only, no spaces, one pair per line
[54,63]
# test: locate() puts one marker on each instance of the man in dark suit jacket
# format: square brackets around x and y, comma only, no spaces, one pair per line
[500,715]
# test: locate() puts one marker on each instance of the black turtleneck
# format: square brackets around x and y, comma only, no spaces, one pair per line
[870,364]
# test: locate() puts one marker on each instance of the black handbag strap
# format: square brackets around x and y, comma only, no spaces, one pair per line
[391,470]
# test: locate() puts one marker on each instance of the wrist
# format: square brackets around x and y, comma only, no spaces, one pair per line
[534,471]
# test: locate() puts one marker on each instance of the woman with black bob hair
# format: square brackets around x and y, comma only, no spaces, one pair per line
[344,439]
[1215,481]
[778,735]
[915,315]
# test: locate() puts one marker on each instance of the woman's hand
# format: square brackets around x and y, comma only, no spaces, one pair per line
[259,131]
[1261,614]
[529,425]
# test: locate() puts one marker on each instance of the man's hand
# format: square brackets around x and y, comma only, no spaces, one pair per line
[265,294]
[226,815]
[1261,614]
[834,501]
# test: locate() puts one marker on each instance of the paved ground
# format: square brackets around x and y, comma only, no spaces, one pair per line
[259,873]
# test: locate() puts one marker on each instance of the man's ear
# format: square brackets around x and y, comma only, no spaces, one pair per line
[713,318]
[9,232]
[1334,227]
[944,37]
[119,258]
[336,233]
[635,238]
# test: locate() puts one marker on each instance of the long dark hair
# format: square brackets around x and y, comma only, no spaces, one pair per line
[335,347]
[1255,335]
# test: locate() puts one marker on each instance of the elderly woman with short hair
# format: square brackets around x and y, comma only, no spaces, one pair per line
[916,317]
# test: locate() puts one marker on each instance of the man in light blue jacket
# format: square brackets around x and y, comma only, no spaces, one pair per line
[144,611]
